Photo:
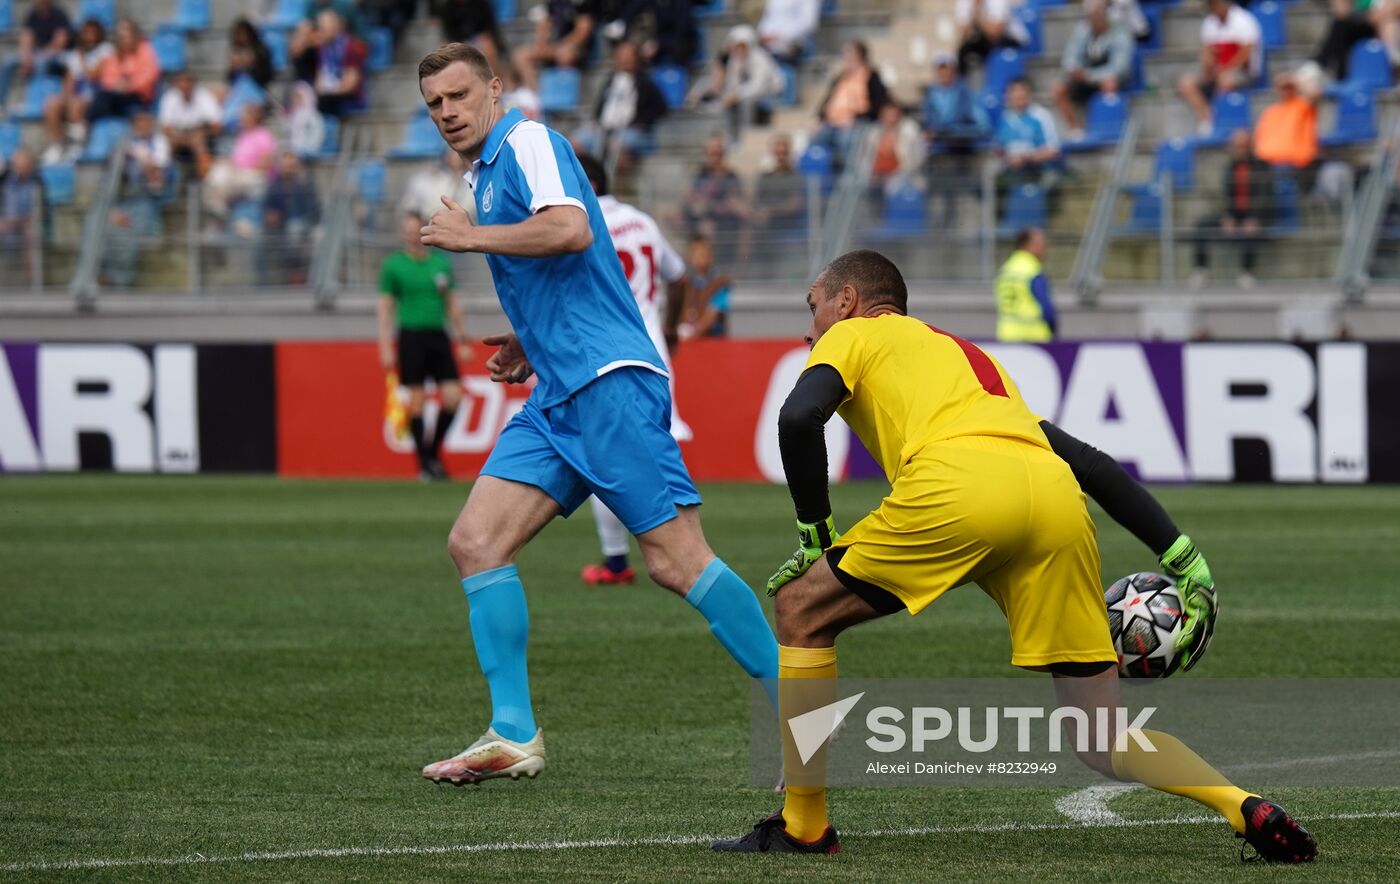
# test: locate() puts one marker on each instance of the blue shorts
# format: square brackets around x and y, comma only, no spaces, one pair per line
[613,439]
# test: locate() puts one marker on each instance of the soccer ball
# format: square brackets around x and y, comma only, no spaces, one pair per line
[1145,615]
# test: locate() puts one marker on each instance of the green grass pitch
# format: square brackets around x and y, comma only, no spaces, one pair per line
[214,668]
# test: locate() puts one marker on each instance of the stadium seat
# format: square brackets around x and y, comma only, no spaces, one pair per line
[244,90]
[420,139]
[1003,66]
[39,90]
[559,89]
[1356,120]
[829,7]
[817,161]
[673,81]
[1368,68]
[60,184]
[1103,123]
[1025,207]
[330,144]
[381,48]
[287,14]
[7,15]
[505,11]
[169,46]
[790,97]
[9,139]
[1271,23]
[906,214]
[1030,17]
[1049,4]
[1137,75]
[104,11]
[277,40]
[1145,215]
[103,138]
[1287,212]
[710,8]
[1176,157]
[1153,13]
[190,15]
[991,106]
[372,182]
[1229,111]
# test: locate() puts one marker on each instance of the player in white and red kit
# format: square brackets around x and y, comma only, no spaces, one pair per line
[648,261]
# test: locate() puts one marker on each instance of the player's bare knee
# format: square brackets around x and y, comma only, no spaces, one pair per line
[799,621]
[474,550]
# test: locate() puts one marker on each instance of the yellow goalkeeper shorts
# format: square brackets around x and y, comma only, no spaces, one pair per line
[1002,513]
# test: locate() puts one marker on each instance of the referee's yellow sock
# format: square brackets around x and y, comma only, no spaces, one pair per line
[1175,769]
[804,808]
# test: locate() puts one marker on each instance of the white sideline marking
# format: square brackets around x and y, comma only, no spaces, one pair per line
[649,841]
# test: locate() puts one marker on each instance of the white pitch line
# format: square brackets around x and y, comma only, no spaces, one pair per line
[594,843]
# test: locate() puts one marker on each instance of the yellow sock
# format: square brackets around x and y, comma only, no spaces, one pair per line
[1174,764]
[804,807]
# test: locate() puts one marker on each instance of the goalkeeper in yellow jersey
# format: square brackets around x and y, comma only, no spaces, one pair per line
[978,495]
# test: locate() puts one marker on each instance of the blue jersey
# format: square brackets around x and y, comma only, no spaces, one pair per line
[574,314]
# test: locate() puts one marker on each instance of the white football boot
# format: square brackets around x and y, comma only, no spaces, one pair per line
[490,757]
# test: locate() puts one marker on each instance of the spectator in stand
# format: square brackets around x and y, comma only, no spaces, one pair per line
[1097,58]
[1231,58]
[470,21]
[244,174]
[422,195]
[707,315]
[667,32]
[302,122]
[1246,192]
[1352,22]
[1128,15]
[304,35]
[985,26]
[954,119]
[1285,137]
[136,216]
[856,95]
[127,78]
[43,40]
[248,54]
[518,96]
[20,193]
[340,59]
[786,27]
[1026,140]
[191,118]
[65,114]
[900,151]
[291,211]
[563,38]
[716,198]
[743,79]
[780,196]
[628,106]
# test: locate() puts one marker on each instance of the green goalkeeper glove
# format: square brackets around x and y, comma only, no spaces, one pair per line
[1185,563]
[812,541]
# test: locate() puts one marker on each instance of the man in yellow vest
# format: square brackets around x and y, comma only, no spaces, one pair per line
[1025,312]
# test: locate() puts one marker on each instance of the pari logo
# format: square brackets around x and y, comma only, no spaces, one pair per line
[70,406]
[975,730]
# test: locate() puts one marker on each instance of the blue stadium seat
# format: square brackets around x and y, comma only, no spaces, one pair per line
[330,144]
[1287,212]
[710,9]
[1146,213]
[169,46]
[278,41]
[104,11]
[1030,17]
[60,184]
[1025,207]
[420,139]
[1356,120]
[829,7]
[1177,157]
[673,81]
[1137,75]
[287,14]
[190,15]
[9,139]
[103,138]
[1229,111]
[505,11]
[244,90]
[559,89]
[906,214]
[1271,23]
[1368,68]
[817,161]
[381,48]
[372,181]
[991,105]
[1003,66]
[38,90]
[1153,13]
[790,97]
[7,15]
[1104,120]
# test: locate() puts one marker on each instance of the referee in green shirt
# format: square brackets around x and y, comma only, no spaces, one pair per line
[415,292]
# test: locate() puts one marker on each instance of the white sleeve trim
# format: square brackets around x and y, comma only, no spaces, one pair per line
[534,152]
[630,363]
[545,202]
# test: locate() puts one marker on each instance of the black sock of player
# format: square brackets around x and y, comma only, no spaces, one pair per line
[444,423]
[415,426]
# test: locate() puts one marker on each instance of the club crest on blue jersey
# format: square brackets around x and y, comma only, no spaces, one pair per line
[486,199]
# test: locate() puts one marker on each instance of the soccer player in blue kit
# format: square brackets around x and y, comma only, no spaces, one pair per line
[598,421]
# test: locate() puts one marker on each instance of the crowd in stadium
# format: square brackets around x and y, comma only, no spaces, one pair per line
[295,75]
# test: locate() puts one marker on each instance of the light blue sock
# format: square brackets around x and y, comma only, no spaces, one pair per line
[737,620]
[500,626]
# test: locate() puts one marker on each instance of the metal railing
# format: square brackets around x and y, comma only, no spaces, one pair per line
[1366,220]
[326,260]
[1086,279]
[84,284]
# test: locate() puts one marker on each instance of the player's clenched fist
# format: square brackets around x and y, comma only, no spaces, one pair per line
[812,541]
[508,364]
[450,228]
